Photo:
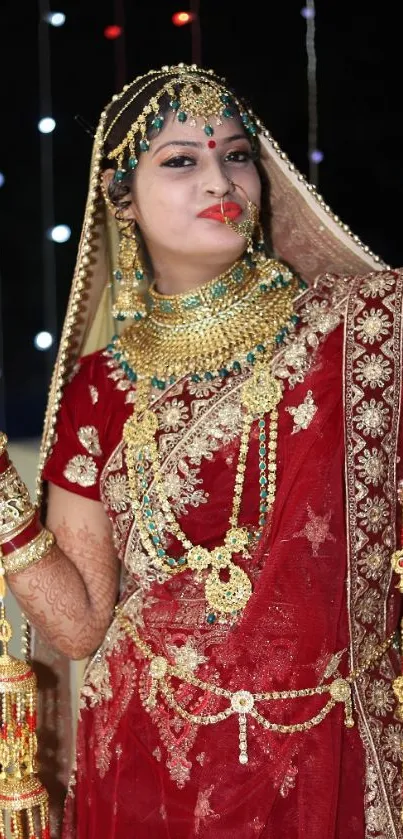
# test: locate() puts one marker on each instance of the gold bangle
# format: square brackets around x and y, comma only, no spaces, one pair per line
[11,534]
[16,508]
[24,557]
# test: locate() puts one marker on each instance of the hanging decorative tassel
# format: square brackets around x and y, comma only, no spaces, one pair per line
[22,795]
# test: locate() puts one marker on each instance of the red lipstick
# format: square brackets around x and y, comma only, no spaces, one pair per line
[230,209]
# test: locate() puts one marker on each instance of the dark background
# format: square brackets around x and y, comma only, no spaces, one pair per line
[260,48]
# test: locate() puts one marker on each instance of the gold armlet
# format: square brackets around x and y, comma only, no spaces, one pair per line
[30,554]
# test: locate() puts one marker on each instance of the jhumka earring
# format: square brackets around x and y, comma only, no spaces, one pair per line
[129,276]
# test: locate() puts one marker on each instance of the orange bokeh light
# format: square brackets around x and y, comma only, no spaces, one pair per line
[181,18]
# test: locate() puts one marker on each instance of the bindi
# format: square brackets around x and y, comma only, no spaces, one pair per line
[211,144]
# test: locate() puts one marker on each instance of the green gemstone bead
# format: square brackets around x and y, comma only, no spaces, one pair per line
[195,378]
[263,493]
[260,348]
[118,275]
[262,480]
[158,122]
[250,358]
[263,287]
[174,104]
[139,275]
[182,117]
[223,372]
[236,366]
[144,145]
[294,319]
[262,464]
[133,162]
[119,175]
[208,376]
[209,130]
[211,618]
[227,113]
[156,540]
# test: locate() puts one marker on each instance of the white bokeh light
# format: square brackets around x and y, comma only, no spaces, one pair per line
[56,18]
[46,125]
[60,233]
[43,340]
[2,179]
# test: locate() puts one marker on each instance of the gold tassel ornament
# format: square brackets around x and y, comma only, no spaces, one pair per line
[23,799]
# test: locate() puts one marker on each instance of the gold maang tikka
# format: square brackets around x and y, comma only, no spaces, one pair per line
[200,97]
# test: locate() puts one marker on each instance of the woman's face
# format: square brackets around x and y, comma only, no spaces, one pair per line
[184,174]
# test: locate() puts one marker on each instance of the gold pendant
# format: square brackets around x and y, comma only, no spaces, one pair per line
[261,393]
[140,433]
[231,595]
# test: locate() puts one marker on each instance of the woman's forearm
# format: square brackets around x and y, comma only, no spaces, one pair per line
[70,608]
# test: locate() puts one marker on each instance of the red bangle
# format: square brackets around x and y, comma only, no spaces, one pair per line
[4,462]
[27,535]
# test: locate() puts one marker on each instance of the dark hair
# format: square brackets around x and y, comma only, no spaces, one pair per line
[116,131]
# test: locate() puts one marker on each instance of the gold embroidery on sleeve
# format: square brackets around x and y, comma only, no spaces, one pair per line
[89,438]
[81,470]
[93,394]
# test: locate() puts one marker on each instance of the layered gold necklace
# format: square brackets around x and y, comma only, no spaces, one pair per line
[233,322]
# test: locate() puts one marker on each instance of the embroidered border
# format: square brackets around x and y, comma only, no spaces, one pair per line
[372,414]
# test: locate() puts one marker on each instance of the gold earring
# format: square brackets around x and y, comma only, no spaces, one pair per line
[129,276]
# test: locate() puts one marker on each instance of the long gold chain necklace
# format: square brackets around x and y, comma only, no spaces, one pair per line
[260,395]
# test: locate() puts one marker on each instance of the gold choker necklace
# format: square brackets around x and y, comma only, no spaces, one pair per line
[205,330]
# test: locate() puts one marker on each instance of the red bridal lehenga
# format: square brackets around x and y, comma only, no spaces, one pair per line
[318,581]
[176,736]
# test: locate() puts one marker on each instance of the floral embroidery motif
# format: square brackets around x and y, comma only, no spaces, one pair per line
[316,530]
[204,388]
[304,413]
[372,326]
[173,415]
[81,470]
[89,438]
[187,656]
[377,285]
[380,697]
[320,317]
[373,370]
[93,394]
[372,467]
[117,492]
[372,418]
[368,605]
[203,810]
[393,741]
[373,560]
[374,513]
[376,816]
